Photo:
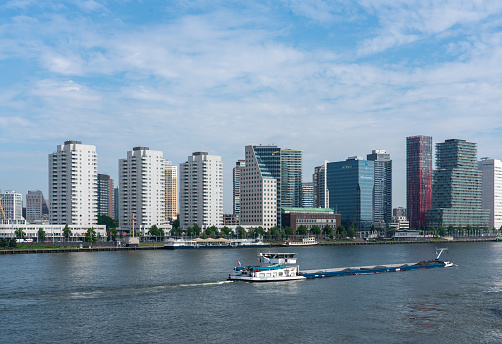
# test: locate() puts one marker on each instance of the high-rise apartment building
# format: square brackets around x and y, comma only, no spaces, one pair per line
[142,189]
[382,191]
[456,188]
[116,203]
[171,191]
[201,191]
[291,178]
[418,179]
[321,192]
[491,190]
[350,185]
[307,195]
[12,205]
[73,194]
[237,173]
[260,186]
[34,206]
[105,195]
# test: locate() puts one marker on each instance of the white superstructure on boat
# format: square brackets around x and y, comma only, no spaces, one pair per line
[310,241]
[272,268]
[173,244]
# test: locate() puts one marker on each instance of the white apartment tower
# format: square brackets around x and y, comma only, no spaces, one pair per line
[142,189]
[259,187]
[73,195]
[201,191]
[491,190]
[11,205]
[171,177]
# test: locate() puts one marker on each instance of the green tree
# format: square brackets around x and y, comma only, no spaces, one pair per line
[451,229]
[468,229]
[273,233]
[341,232]
[67,232]
[197,230]
[179,232]
[226,231]
[477,230]
[327,231]
[315,230]
[12,243]
[288,231]
[41,234]
[107,221]
[351,231]
[259,231]
[301,230]
[241,232]
[91,236]
[176,223]
[20,234]
[156,232]
[441,231]
[3,243]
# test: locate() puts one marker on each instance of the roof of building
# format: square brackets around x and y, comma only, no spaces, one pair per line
[307,210]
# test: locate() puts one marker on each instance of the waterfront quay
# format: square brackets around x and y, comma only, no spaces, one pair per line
[101,248]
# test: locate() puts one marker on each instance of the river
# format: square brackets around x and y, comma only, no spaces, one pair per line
[182,297]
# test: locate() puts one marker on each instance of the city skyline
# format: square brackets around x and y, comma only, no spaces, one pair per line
[333,79]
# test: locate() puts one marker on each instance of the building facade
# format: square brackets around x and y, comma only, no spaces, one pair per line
[456,189]
[307,195]
[116,203]
[309,217]
[11,204]
[34,206]
[73,194]
[321,192]
[142,189]
[201,191]
[291,177]
[350,185]
[236,178]
[105,195]
[382,191]
[260,186]
[171,192]
[418,179]
[491,190]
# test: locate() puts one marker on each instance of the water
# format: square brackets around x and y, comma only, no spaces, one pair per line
[182,296]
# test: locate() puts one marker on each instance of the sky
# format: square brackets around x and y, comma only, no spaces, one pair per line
[331,78]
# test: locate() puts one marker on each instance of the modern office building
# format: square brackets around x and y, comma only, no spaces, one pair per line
[142,189]
[382,191]
[201,191]
[309,217]
[351,184]
[236,174]
[105,195]
[321,192]
[399,211]
[116,203]
[260,186]
[307,195]
[73,194]
[491,190]
[456,188]
[34,206]
[171,191]
[418,179]
[11,205]
[291,178]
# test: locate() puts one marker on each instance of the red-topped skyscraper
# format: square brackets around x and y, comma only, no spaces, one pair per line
[418,179]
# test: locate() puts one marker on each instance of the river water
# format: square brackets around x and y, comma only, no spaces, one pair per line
[182,297]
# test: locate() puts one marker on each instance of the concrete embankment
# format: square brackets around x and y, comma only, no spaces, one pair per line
[81,249]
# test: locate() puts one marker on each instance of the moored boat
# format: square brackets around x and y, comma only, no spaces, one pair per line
[309,241]
[210,243]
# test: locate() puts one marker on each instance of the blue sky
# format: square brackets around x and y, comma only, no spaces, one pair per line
[332,78]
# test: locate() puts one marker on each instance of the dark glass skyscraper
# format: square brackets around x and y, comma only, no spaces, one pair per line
[418,179]
[105,195]
[456,188]
[382,192]
[350,185]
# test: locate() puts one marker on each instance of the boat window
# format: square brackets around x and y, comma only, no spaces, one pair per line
[274,274]
[280,273]
[262,275]
[268,274]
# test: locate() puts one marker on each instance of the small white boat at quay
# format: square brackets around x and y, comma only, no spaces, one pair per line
[175,244]
[310,241]
[274,267]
